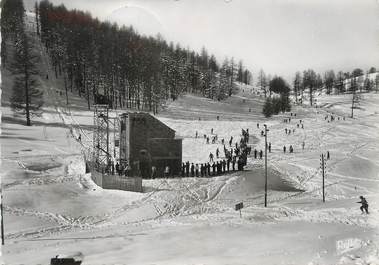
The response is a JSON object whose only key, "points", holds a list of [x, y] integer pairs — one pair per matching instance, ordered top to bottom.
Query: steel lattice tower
{"points": [[101, 155]]}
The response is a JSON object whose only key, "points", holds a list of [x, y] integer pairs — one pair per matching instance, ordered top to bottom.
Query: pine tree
{"points": [[12, 25], [329, 78], [223, 81], [339, 82], [262, 83], [297, 85], [25, 95], [268, 108]]}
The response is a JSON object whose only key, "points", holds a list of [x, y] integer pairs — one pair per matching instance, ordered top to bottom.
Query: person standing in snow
{"points": [[269, 147], [284, 149], [217, 153], [327, 155], [211, 157], [117, 168], [187, 169], [213, 169], [183, 170], [167, 171], [154, 172], [364, 207]]}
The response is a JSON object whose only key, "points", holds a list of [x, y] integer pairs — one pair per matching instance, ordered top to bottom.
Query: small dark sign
{"points": [[239, 206]]}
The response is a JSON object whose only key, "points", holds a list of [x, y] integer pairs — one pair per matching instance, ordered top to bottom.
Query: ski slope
{"points": [[52, 206]]}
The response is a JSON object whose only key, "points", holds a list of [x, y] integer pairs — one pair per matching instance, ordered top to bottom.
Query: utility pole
{"points": [[266, 130], [323, 177], [2, 218]]}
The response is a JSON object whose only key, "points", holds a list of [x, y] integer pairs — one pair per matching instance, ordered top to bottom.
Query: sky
{"points": [[278, 36]]}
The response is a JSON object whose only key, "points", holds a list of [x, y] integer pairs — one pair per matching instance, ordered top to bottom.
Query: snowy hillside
{"points": [[52, 207]]}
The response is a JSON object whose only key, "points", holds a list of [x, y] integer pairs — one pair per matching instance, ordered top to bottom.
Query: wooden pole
{"points": [[265, 165], [323, 177], [2, 218]]}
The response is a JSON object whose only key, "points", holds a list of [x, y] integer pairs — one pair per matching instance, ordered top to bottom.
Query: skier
{"points": [[212, 131], [196, 135], [303, 144], [269, 147], [284, 149], [217, 153], [255, 153], [260, 154], [327, 155], [192, 170], [197, 170], [364, 207]]}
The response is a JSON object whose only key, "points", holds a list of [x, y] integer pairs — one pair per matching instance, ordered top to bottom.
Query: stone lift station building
{"points": [[147, 144], [145, 148]]}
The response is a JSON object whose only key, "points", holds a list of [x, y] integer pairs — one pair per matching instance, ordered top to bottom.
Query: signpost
{"points": [[238, 207]]}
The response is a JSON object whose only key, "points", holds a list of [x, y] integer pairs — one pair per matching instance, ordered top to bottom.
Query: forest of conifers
{"points": [[102, 60]]}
